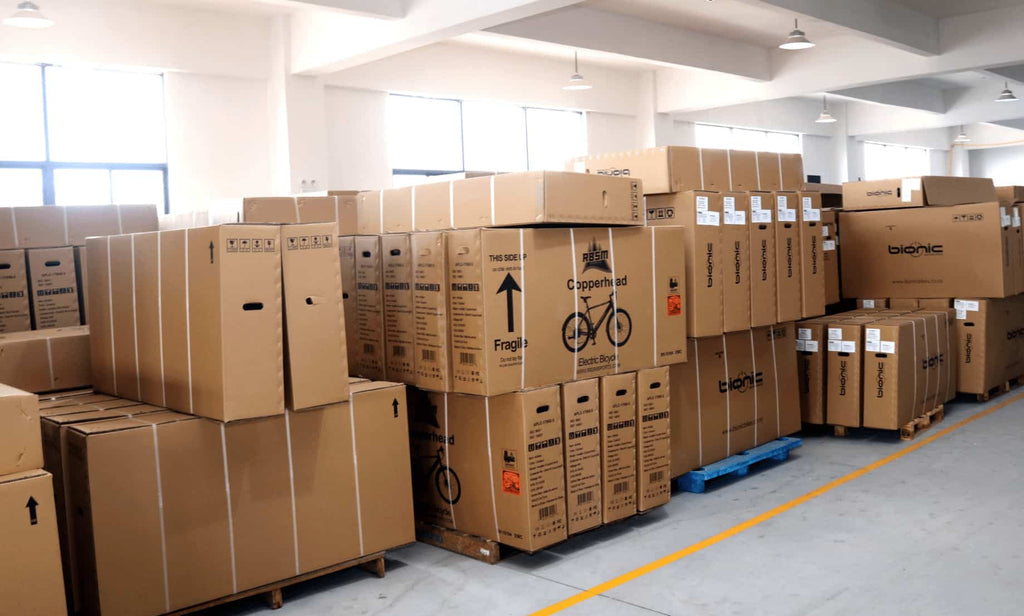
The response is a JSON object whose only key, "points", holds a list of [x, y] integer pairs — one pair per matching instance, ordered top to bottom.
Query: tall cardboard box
{"points": [[921, 191], [347, 204], [338, 206], [700, 213], [49, 226], [347, 254], [736, 254], [830, 256], [788, 258], [812, 265], [763, 274], [54, 287], [14, 305], [430, 311], [123, 316], [399, 319], [174, 320], [148, 328], [811, 345], [989, 345], [845, 348], [47, 360], [369, 360], [316, 361], [741, 376], [890, 388], [693, 391], [778, 397], [581, 426], [653, 438], [618, 446], [20, 448], [491, 466], [31, 583]]}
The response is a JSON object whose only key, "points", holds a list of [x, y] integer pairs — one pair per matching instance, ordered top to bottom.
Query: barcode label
{"points": [[369, 348], [398, 351], [428, 354], [467, 359], [656, 476], [621, 487], [585, 497], [548, 511]]}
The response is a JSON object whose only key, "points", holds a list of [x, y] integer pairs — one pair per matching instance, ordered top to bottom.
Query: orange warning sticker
{"points": [[675, 305], [510, 482]]}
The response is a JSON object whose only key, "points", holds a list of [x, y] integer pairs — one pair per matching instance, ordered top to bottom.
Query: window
{"points": [[81, 137], [429, 137], [728, 138], [883, 161]]}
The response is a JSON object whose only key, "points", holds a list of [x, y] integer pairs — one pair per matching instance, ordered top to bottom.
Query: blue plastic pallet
{"points": [[739, 464]]}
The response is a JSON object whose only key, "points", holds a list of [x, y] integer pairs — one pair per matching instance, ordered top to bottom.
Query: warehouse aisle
{"points": [[935, 531]]}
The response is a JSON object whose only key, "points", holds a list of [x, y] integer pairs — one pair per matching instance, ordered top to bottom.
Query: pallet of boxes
{"points": [[754, 265], [938, 265], [537, 317], [224, 453]]}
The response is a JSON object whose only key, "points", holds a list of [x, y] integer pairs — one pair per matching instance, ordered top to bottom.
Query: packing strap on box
{"points": [[110, 311], [49, 360], [753, 365], [775, 375], [728, 397], [355, 472], [163, 528]]}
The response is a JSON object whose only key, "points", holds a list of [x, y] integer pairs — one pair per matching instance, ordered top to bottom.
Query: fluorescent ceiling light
{"points": [[28, 15], [796, 39], [576, 80]]}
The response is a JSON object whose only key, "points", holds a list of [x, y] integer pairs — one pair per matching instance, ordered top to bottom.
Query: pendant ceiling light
{"points": [[28, 15], [796, 39], [576, 81], [1006, 96], [825, 117], [962, 137]]}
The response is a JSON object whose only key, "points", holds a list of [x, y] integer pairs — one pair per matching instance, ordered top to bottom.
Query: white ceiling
{"points": [[953, 8], [544, 49]]}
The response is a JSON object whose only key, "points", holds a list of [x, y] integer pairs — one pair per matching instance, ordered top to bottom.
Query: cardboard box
{"points": [[663, 170], [743, 170], [917, 192], [1009, 195], [338, 206], [347, 210], [700, 213], [51, 226], [925, 252], [347, 253], [736, 254], [830, 256], [788, 258], [812, 266], [81, 270], [763, 274], [54, 287], [14, 303], [879, 304], [430, 311], [588, 311], [123, 316], [147, 318], [399, 320], [174, 321], [811, 345], [990, 346], [776, 347], [845, 349], [369, 359], [47, 360], [316, 361], [891, 383], [581, 426], [19, 431], [653, 438], [618, 446], [491, 467], [31, 584]]}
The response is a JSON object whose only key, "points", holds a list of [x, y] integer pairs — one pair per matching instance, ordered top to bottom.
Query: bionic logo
{"points": [[916, 249]]}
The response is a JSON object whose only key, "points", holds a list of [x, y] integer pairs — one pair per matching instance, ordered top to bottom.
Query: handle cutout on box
{"points": [[604, 199], [762, 227], [462, 250], [395, 252], [367, 254], [52, 263], [5, 266], [344, 295], [313, 300], [249, 306], [881, 355], [655, 385], [620, 392], [582, 399], [544, 408]]}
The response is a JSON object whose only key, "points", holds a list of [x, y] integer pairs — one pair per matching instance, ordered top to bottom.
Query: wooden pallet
{"points": [[998, 390], [912, 428], [737, 465], [480, 548], [273, 592]]}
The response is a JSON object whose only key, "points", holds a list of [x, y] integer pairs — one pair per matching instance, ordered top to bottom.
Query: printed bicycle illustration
{"points": [[579, 328], [445, 479]]}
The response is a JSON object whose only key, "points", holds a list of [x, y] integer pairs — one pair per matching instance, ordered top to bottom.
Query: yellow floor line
{"points": [[767, 515]]}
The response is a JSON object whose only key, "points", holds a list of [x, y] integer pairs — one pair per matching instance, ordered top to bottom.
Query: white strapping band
{"points": [[778, 157], [700, 163], [728, 165], [757, 167], [492, 202], [295, 203], [451, 204], [380, 207], [412, 213], [337, 215], [120, 225], [14, 227], [67, 239], [654, 293], [615, 298], [522, 301], [576, 302], [110, 311], [160, 311], [135, 322], [188, 328], [913, 328], [49, 359], [753, 361], [696, 365], [775, 371], [938, 381], [728, 395], [448, 459], [490, 463], [355, 466], [291, 485], [160, 507], [231, 518]]}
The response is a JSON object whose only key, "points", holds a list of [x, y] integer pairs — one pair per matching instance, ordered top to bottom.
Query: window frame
{"points": [[48, 166], [903, 172]]}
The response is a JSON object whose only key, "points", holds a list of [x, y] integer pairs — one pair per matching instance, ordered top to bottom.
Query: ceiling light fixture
{"points": [[28, 15], [796, 39], [576, 81], [1006, 96], [825, 117], [962, 137]]}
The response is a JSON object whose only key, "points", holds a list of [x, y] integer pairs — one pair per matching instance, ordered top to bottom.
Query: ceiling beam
{"points": [[387, 9], [881, 20], [588, 28], [899, 94]]}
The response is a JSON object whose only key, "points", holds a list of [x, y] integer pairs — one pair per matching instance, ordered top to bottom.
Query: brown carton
{"points": [[663, 170], [743, 170], [791, 170], [769, 171], [916, 192], [1009, 195], [336, 206], [435, 206], [347, 208], [700, 213], [51, 226], [934, 252], [347, 253], [736, 254], [830, 256], [788, 259], [812, 266], [763, 275], [53, 287], [14, 297], [881, 304], [430, 311], [588, 311], [399, 320], [174, 321], [148, 328], [369, 336], [990, 347], [845, 352], [125, 359], [47, 360], [316, 364], [811, 372], [890, 388], [778, 400], [696, 406], [581, 427], [19, 431], [653, 438], [618, 446], [491, 467], [30, 579]]}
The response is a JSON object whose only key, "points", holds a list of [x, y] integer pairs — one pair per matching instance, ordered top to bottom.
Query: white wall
{"points": [[608, 132], [218, 139], [357, 156], [820, 159], [1004, 165]]}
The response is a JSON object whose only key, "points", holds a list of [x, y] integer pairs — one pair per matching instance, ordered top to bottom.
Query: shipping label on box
{"points": [[763, 274], [54, 287], [14, 296], [430, 311], [399, 319], [369, 361], [581, 407], [653, 433], [618, 446]]}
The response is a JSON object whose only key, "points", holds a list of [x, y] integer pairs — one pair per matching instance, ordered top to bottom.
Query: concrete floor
{"points": [[938, 531]]}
